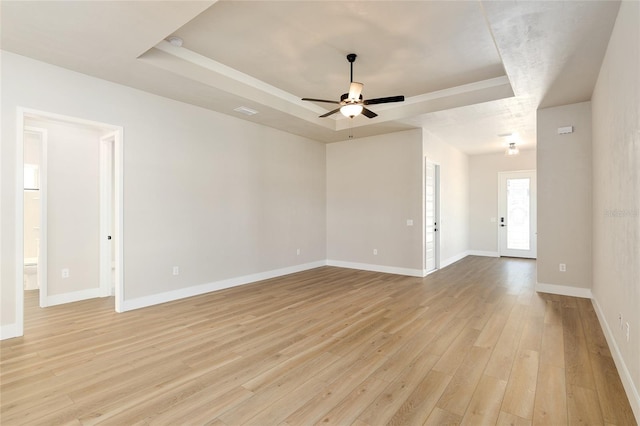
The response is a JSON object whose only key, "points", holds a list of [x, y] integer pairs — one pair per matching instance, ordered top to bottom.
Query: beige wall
{"points": [[32, 154], [374, 185], [616, 193], [217, 196], [483, 196], [564, 196], [454, 197], [73, 206]]}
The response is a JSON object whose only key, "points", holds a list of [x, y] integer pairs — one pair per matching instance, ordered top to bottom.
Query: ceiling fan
{"points": [[352, 103]]}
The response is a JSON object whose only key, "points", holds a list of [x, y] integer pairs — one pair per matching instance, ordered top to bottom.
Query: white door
{"points": [[431, 217], [517, 224]]}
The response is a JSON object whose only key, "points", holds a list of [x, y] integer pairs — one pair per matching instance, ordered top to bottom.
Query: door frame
{"points": [[23, 113], [107, 145], [42, 193], [533, 197], [437, 216]]}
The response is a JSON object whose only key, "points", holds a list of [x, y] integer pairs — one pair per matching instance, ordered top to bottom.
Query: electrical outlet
{"points": [[409, 222], [298, 252], [375, 252], [563, 267], [176, 270], [65, 273], [626, 328]]}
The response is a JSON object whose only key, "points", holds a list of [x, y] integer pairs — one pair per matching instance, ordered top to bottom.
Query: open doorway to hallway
{"points": [[71, 209]]}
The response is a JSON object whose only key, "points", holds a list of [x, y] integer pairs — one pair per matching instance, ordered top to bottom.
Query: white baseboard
{"points": [[483, 253], [453, 259], [377, 268], [564, 290], [74, 296], [169, 296], [10, 331], [625, 376]]}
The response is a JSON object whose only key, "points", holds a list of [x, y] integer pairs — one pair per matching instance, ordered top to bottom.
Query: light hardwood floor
{"points": [[470, 344]]}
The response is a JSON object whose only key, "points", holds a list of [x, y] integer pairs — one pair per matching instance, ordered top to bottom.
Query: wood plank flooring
{"points": [[471, 344]]}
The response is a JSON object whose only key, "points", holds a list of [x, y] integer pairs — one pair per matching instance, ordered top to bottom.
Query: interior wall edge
{"points": [[484, 253], [453, 259], [377, 268], [564, 290], [183, 293], [9, 331], [633, 394]]}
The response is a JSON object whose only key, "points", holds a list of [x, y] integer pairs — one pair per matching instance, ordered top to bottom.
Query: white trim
{"points": [[118, 208], [437, 232], [483, 253], [453, 259], [377, 268], [425, 272], [564, 290], [74, 296], [169, 296], [17, 328], [9, 331], [625, 376]]}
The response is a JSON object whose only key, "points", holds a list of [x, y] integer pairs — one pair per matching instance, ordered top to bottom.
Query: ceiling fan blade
{"points": [[355, 89], [320, 100], [384, 100], [330, 113], [368, 113]]}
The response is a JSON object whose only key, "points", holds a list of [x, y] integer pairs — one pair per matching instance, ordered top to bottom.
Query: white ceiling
{"points": [[470, 70]]}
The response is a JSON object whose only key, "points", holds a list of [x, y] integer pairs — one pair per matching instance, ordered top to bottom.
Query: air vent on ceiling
{"points": [[246, 111]]}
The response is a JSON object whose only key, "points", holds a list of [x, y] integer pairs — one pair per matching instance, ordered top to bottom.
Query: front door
{"points": [[517, 226]]}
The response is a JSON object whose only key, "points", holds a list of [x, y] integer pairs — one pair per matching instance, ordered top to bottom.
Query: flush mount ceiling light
{"points": [[175, 41], [513, 139], [512, 150]]}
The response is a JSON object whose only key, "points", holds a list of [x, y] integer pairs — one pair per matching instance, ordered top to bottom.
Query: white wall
{"points": [[374, 185], [616, 195], [217, 196], [483, 196], [454, 197], [564, 197]]}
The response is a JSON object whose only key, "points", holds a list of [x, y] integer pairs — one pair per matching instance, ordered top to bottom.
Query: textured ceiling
{"points": [[470, 70]]}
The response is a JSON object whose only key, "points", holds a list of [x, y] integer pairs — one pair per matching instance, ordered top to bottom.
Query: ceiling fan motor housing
{"points": [[344, 99]]}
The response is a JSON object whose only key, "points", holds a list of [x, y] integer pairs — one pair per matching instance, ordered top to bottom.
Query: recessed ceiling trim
{"points": [[217, 67], [457, 90]]}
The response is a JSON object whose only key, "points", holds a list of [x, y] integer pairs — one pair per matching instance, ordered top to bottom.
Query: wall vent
{"points": [[246, 111], [565, 130]]}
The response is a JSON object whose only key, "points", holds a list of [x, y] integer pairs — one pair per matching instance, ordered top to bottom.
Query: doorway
{"points": [[34, 213], [432, 215], [517, 225], [63, 233]]}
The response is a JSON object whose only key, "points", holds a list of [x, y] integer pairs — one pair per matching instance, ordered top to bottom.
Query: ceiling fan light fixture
{"points": [[351, 110]]}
